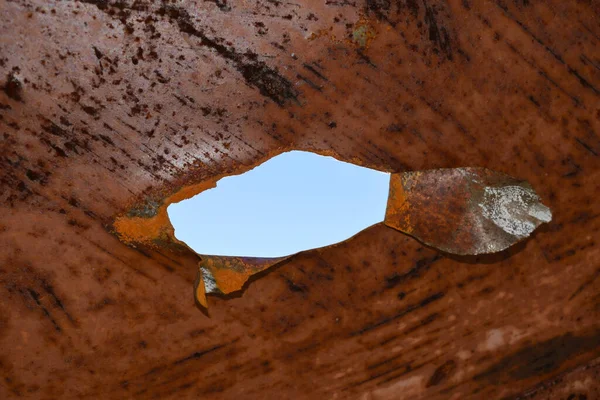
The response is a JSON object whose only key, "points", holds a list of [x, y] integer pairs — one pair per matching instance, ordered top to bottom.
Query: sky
{"points": [[293, 202]]}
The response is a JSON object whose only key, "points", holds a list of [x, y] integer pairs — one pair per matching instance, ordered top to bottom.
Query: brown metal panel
{"points": [[110, 109]]}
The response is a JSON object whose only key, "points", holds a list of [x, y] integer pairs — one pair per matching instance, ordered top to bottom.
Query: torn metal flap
{"points": [[464, 211], [220, 274]]}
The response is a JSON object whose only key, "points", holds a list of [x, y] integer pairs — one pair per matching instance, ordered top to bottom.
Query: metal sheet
{"points": [[464, 211]]}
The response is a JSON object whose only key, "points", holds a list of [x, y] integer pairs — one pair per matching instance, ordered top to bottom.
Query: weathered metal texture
{"points": [[109, 108], [465, 211], [225, 275], [579, 384]]}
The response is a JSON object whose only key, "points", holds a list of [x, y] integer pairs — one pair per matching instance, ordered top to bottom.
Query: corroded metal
{"points": [[107, 108], [465, 211], [225, 275]]}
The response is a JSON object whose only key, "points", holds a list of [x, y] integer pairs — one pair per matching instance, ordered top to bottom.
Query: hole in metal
{"points": [[293, 202]]}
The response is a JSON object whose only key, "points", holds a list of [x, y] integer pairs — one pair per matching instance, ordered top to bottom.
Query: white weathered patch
{"points": [[514, 209], [541, 212], [210, 285]]}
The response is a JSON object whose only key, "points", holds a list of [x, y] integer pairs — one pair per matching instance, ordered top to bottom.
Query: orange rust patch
{"points": [[321, 33], [398, 206], [142, 230], [146, 230], [231, 273], [229, 280]]}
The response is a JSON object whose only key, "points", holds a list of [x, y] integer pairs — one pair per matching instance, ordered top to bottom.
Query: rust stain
{"points": [[322, 33], [511, 84], [398, 207], [461, 211], [464, 211], [134, 229], [219, 274]]}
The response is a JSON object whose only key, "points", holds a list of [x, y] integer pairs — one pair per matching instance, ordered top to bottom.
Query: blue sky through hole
{"points": [[293, 202]]}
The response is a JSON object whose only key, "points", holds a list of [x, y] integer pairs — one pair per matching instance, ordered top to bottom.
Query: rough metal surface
{"points": [[109, 109], [465, 211], [225, 275], [579, 384]]}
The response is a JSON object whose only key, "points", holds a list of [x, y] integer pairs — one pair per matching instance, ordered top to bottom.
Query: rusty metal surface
{"points": [[109, 110], [465, 211], [225, 275]]}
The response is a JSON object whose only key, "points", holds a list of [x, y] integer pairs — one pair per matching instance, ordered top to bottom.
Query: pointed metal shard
{"points": [[464, 211], [219, 274]]}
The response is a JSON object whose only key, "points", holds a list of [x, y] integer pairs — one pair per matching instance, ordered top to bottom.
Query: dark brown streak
{"points": [[589, 30], [437, 36], [365, 58], [586, 59], [314, 71], [256, 73], [543, 74], [581, 79], [309, 83], [181, 100], [539, 108], [448, 116], [239, 138], [586, 146], [117, 258], [169, 258], [165, 266], [420, 266], [585, 284], [50, 290], [36, 297], [400, 314], [424, 322], [198, 354], [540, 358], [385, 361], [406, 367], [442, 373], [396, 376]]}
